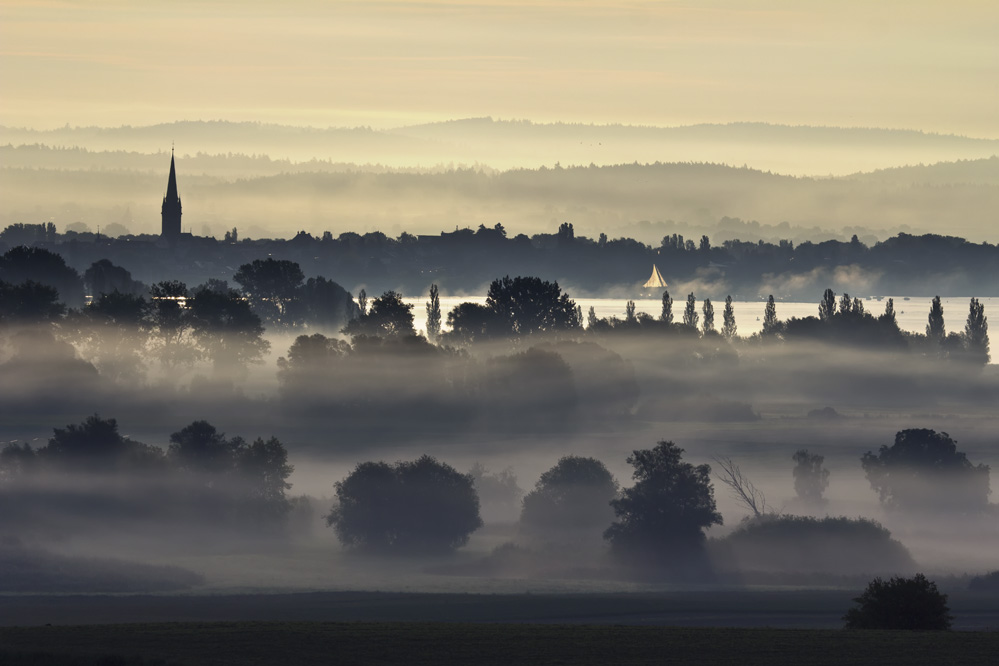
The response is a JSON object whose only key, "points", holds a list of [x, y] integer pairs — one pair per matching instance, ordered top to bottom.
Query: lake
{"points": [[910, 312]]}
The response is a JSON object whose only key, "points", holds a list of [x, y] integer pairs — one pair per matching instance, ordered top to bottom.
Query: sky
{"points": [[931, 66]]}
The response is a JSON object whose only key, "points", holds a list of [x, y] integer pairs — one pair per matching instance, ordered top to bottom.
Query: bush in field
{"points": [[419, 506], [801, 544], [900, 603]]}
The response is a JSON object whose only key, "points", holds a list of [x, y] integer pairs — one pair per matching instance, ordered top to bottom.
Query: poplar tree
{"points": [[433, 314], [667, 314], [690, 315], [709, 316], [728, 320], [770, 323], [935, 331], [976, 333]]}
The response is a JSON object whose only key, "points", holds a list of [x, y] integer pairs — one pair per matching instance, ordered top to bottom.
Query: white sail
{"points": [[656, 281]]}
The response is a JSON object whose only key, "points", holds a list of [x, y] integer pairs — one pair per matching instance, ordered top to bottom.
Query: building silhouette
{"points": [[171, 206]]}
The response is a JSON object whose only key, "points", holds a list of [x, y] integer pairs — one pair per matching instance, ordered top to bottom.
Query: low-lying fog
{"points": [[755, 404]]}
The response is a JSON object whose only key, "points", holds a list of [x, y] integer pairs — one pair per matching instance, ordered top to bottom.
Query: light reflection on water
{"points": [[911, 314]]}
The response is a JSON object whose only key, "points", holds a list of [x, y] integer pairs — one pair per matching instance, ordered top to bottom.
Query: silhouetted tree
{"points": [[566, 234], [22, 264], [103, 277], [272, 286], [29, 303], [325, 304], [845, 304], [529, 306], [827, 306], [857, 308], [629, 312], [667, 313], [433, 314], [690, 315], [709, 315], [889, 316], [388, 317], [591, 318], [471, 322], [770, 324], [171, 325], [729, 328], [114, 330], [935, 330], [227, 331], [976, 333], [96, 446], [200, 448], [924, 469], [263, 471], [810, 477], [574, 494], [417, 506], [666, 511], [912, 604]]}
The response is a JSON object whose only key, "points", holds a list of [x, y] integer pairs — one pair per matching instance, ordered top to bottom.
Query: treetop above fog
{"points": [[924, 470]]}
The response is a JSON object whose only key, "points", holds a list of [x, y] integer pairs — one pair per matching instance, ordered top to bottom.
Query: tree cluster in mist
{"points": [[522, 361], [527, 362], [91, 472], [654, 527]]}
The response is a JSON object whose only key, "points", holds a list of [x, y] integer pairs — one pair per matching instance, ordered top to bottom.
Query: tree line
{"points": [[457, 259], [211, 477]]}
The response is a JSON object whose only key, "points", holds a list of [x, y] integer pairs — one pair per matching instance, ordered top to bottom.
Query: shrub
{"points": [[800, 544], [900, 603]]}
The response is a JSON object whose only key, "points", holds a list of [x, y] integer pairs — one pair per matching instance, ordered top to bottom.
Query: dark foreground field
{"points": [[707, 607], [305, 643]]}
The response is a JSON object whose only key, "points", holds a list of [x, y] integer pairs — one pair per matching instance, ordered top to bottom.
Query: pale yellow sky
{"points": [[932, 66]]}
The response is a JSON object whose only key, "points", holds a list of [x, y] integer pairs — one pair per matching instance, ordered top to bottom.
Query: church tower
{"points": [[171, 205]]}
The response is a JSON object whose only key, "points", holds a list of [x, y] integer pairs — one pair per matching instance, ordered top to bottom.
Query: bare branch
{"points": [[741, 488]]}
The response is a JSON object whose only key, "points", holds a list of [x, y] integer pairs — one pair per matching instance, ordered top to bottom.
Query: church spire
{"points": [[171, 204]]}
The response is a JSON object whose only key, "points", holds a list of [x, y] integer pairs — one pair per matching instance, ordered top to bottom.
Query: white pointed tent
{"points": [[656, 281]]}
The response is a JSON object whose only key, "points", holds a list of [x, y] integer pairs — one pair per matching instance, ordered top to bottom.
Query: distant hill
{"points": [[505, 144], [968, 172], [276, 198]]}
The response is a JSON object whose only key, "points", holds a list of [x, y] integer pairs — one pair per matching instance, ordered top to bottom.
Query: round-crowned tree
{"points": [[924, 469], [574, 494], [409, 507], [664, 515], [900, 603]]}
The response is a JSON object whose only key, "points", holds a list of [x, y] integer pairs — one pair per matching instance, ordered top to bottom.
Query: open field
{"points": [[718, 607], [443, 643]]}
